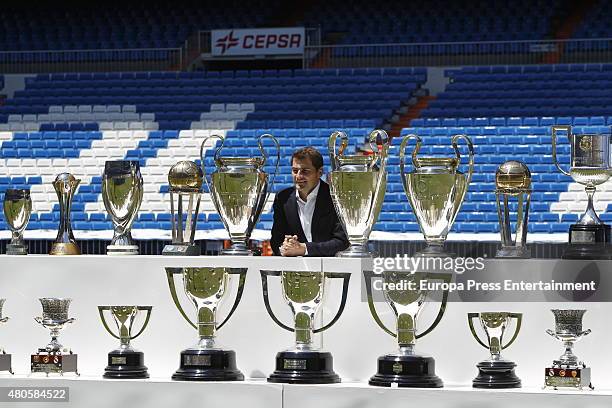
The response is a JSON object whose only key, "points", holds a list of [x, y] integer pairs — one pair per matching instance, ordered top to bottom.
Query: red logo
{"points": [[227, 42]]}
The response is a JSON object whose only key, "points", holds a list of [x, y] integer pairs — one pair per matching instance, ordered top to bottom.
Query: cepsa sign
{"points": [[263, 41]]}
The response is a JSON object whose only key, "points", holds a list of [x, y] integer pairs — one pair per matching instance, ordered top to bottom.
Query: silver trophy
{"points": [[185, 179], [513, 181], [65, 185], [357, 185], [239, 189], [436, 189], [122, 195], [17, 210], [589, 238], [206, 288], [303, 291], [404, 293], [54, 357], [5, 359], [125, 361], [568, 370], [495, 372]]}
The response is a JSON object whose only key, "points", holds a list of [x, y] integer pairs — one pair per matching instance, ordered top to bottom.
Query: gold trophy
{"points": [[65, 185]]}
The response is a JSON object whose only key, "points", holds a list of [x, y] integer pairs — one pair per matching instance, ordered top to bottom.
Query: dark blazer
{"points": [[328, 236]]}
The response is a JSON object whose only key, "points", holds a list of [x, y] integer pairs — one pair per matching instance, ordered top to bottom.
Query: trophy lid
{"points": [[241, 162], [513, 175], [185, 176], [17, 194]]}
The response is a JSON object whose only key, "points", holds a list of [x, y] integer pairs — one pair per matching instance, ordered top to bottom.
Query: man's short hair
{"points": [[309, 153]]}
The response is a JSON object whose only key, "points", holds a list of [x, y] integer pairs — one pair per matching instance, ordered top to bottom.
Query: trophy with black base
{"points": [[206, 287], [303, 291], [405, 294], [54, 358], [5, 359], [125, 361], [495, 372]]}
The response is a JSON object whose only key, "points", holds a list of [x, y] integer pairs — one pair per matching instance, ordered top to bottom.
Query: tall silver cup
{"points": [[357, 186], [17, 211], [5, 359]]}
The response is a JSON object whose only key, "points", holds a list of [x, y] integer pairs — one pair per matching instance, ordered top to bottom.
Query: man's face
{"points": [[305, 176]]}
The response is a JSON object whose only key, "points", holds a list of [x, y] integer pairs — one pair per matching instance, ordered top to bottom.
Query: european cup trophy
{"points": [[185, 179], [513, 181], [65, 186], [357, 186], [239, 189], [436, 189], [122, 195], [17, 210], [589, 238], [206, 288], [303, 291], [404, 293], [54, 358], [5, 359], [125, 361], [568, 371], [495, 372]]}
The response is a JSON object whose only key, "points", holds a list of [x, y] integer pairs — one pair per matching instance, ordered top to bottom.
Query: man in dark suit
{"points": [[305, 220]]}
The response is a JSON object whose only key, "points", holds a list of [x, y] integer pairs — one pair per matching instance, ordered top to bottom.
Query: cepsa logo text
{"points": [[252, 42]]}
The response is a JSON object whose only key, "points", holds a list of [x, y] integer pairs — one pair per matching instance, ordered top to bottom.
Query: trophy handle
{"points": [[555, 129], [331, 145], [384, 152], [470, 152], [402, 154], [265, 156], [202, 159], [170, 272], [241, 272], [368, 275], [446, 277], [345, 283], [266, 298], [148, 309], [101, 310], [471, 317], [4, 319], [38, 319], [519, 320], [586, 332], [551, 333]]}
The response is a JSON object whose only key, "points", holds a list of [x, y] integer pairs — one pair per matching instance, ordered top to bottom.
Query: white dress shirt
{"points": [[306, 210]]}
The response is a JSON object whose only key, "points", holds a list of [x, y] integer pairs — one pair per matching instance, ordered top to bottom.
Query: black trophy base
{"points": [[589, 242], [181, 250], [126, 364], [208, 365], [304, 367], [406, 371], [496, 374]]}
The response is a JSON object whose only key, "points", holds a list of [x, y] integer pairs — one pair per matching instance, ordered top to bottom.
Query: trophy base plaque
{"points": [[589, 242], [64, 248], [16, 249], [118, 250], [181, 250], [357, 251], [514, 252], [5, 363], [53, 363], [126, 364], [208, 365], [304, 367], [406, 371], [496, 374], [568, 377]]}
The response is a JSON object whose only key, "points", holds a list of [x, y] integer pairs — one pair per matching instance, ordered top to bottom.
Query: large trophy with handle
{"points": [[357, 185], [239, 189], [436, 189], [122, 192], [17, 208], [589, 238], [206, 287], [405, 294], [5, 359], [125, 361], [304, 362], [495, 372]]}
